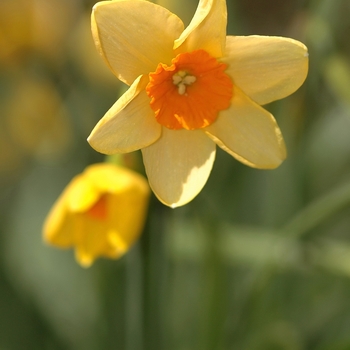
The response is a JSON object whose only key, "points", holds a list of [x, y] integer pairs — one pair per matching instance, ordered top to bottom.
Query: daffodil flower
{"points": [[190, 90], [100, 213]]}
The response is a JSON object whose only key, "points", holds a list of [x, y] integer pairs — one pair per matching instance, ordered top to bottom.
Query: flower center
{"points": [[181, 79], [191, 92], [99, 210]]}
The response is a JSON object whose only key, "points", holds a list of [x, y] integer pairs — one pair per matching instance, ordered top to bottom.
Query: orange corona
{"points": [[191, 92], [99, 210]]}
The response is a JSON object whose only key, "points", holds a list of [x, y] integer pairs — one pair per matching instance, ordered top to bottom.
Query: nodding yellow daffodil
{"points": [[190, 90], [100, 213]]}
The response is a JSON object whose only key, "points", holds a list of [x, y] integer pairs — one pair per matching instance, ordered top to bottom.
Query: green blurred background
{"points": [[259, 260]]}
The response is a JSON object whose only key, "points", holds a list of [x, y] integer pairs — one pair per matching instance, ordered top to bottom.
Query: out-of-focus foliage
{"points": [[259, 260]]}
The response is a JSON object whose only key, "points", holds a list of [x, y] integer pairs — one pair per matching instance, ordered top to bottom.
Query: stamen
{"points": [[176, 79], [181, 79], [189, 79], [181, 88]]}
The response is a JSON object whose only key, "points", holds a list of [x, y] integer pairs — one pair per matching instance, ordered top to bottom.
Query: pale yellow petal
{"points": [[207, 29], [134, 36], [266, 68], [129, 125], [249, 133], [178, 165]]}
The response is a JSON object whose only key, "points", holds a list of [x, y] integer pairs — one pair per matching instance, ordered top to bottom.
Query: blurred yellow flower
{"points": [[42, 25], [190, 90], [36, 119], [100, 213]]}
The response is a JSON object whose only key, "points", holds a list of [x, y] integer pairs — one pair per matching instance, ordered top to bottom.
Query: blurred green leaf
{"points": [[337, 74], [318, 211]]}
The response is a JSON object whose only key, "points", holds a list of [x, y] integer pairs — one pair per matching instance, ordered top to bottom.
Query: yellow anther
{"points": [[181, 79]]}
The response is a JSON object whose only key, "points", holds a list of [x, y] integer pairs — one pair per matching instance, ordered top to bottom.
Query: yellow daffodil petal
{"points": [[207, 29], [133, 36], [266, 68], [129, 125], [249, 133], [178, 165], [108, 178], [82, 195], [107, 222], [59, 223], [126, 228], [59, 233], [114, 235], [91, 241], [94, 244], [116, 244], [83, 257]]}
